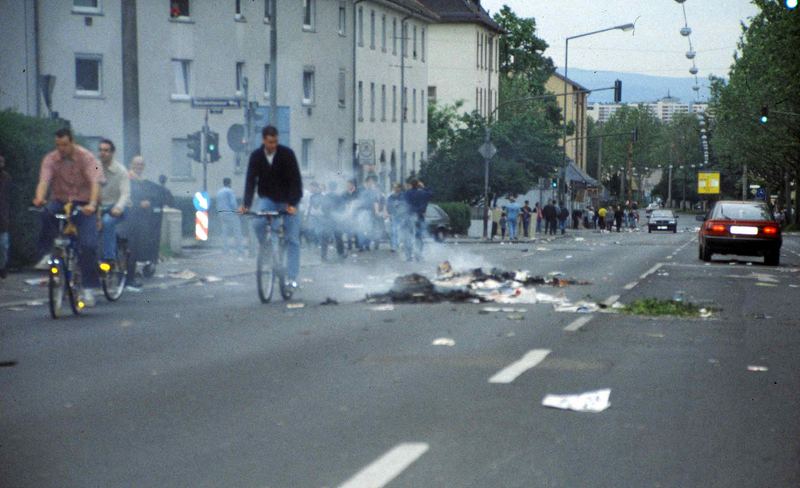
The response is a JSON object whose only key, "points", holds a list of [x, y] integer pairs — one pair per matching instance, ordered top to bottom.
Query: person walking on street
{"points": [[273, 171], [72, 175], [115, 198], [417, 199], [5, 207], [227, 211], [332, 211], [397, 211], [513, 211], [527, 213], [619, 214], [563, 216], [539, 217], [550, 218], [601, 218], [503, 223]]}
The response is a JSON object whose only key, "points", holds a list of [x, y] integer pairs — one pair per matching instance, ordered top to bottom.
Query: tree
{"points": [[522, 52], [442, 125]]}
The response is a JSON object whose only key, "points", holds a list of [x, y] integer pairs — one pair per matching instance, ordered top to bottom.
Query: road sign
{"points": [[216, 102], [237, 139], [487, 150], [708, 183], [761, 193], [200, 201]]}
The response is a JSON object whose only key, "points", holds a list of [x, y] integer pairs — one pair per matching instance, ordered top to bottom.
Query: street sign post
{"points": [[216, 102], [487, 150], [761, 193]]}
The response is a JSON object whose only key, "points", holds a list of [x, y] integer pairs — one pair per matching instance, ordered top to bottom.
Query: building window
{"points": [[86, 6], [179, 8], [238, 9], [267, 10], [309, 12], [342, 19], [361, 26], [372, 29], [383, 32], [394, 35], [404, 39], [415, 42], [422, 48], [478, 50], [88, 75], [181, 75], [239, 78], [267, 80], [308, 86], [342, 87], [431, 95], [477, 98], [361, 101], [372, 102], [383, 103], [394, 103], [404, 104], [414, 105], [422, 106], [340, 152], [306, 153], [414, 162], [181, 166]]}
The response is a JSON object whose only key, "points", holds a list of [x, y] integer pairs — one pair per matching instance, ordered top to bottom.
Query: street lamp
{"points": [[623, 28]]}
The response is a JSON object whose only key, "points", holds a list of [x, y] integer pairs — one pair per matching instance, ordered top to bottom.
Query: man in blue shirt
{"points": [[417, 199], [227, 211], [512, 211]]}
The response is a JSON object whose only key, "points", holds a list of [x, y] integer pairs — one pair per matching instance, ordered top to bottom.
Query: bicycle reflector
{"points": [[105, 267], [54, 270], [81, 304]]}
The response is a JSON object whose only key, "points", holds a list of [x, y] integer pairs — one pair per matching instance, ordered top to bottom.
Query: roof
{"points": [[412, 6], [463, 11], [571, 82], [576, 175]]}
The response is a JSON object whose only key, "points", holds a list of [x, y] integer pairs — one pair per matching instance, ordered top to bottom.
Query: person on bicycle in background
{"points": [[274, 172], [72, 175], [115, 199]]}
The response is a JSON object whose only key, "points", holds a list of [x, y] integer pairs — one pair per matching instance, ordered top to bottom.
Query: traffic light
{"points": [[617, 91], [764, 114], [193, 142], [212, 146], [554, 183]]}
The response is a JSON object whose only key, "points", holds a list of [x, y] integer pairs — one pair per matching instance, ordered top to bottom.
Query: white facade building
{"points": [[457, 73], [664, 109]]}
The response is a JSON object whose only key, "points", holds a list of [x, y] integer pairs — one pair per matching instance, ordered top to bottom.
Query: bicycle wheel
{"points": [[280, 267], [265, 273], [114, 280], [73, 284], [57, 285]]}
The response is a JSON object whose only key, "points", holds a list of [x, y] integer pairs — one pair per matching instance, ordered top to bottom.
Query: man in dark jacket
{"points": [[273, 170], [417, 199], [550, 218]]}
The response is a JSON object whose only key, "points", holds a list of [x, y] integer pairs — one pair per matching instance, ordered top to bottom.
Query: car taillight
{"points": [[719, 228], [770, 231]]}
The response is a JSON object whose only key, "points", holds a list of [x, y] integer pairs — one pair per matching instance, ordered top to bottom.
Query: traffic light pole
{"points": [[204, 153]]}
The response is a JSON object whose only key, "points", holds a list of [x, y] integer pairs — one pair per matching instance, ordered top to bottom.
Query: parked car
{"points": [[662, 220], [438, 222], [742, 228]]}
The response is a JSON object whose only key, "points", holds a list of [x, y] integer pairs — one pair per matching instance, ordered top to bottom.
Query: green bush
{"points": [[24, 141], [459, 214]]}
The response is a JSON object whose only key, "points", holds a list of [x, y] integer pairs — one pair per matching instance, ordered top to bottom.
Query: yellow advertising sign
{"points": [[708, 183]]}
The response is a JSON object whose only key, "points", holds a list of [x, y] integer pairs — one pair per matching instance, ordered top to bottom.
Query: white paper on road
{"points": [[212, 279], [353, 286], [382, 308], [444, 341], [757, 368], [592, 401]]}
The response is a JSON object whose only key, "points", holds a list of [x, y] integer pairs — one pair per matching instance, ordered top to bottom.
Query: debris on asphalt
{"points": [[579, 239], [541, 249], [568, 256], [183, 275], [212, 279], [306, 280], [36, 281], [768, 285], [353, 286], [794, 286], [329, 301], [34, 303], [293, 306], [383, 308], [16, 309], [488, 310], [515, 316], [762, 316], [443, 341], [8, 364], [757, 368], [592, 401]]}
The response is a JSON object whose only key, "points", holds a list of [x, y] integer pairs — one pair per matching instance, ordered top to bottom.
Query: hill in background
{"points": [[636, 87]]}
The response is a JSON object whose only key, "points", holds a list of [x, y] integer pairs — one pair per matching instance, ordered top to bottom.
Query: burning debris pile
{"points": [[476, 286]]}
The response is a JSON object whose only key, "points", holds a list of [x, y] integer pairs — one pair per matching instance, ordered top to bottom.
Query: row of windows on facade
{"points": [[403, 37], [487, 52], [485, 101], [383, 105]]}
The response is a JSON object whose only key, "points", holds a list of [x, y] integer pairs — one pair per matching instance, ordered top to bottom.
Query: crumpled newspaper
{"points": [[591, 401]]}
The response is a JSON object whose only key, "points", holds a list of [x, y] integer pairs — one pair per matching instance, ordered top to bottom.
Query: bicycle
{"points": [[271, 261], [114, 275], [64, 277]]}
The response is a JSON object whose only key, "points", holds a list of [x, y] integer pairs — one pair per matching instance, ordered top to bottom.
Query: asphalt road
{"points": [[203, 386]]}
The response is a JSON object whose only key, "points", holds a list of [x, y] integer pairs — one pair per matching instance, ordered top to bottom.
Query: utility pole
{"points": [[273, 64], [403, 101], [247, 125], [204, 153], [600, 159], [629, 170], [744, 182], [669, 188]]}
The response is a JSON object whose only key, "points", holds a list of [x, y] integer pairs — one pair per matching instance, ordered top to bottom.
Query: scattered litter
{"points": [[579, 239], [542, 249], [568, 256], [749, 264], [555, 273], [183, 275], [212, 279], [307, 280], [36, 281], [232, 283], [768, 285], [353, 286], [794, 286], [678, 296], [329, 301], [35, 303], [293, 306], [580, 307], [383, 308], [16, 309], [487, 310], [513, 310], [704, 313], [515, 316], [762, 316], [126, 323], [510, 334], [444, 341], [713, 361], [8, 364], [757, 368], [592, 401]]}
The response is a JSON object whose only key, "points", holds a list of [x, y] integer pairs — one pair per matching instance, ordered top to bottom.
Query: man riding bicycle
{"points": [[274, 171], [72, 175], [116, 197]]}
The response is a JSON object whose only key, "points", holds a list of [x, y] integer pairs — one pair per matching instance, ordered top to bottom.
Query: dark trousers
{"points": [[552, 226], [526, 227], [494, 229], [331, 233], [87, 240]]}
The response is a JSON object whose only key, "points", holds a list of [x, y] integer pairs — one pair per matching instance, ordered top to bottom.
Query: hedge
{"points": [[24, 141], [460, 216]]}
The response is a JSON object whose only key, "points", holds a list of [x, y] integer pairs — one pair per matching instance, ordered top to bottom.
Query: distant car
{"points": [[651, 207], [662, 220], [437, 222], [742, 228]]}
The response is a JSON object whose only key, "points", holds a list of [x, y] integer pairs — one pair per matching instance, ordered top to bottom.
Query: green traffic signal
{"points": [[764, 114]]}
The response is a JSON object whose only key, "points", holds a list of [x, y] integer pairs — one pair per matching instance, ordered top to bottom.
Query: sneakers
{"points": [[43, 264], [292, 284], [134, 286], [87, 296]]}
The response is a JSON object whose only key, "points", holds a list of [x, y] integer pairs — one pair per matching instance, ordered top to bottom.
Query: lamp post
{"points": [[622, 27]]}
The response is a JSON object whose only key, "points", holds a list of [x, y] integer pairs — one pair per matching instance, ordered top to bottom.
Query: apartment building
{"points": [[574, 110]]}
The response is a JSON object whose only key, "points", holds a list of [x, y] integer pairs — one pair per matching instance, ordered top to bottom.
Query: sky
{"points": [[655, 48]]}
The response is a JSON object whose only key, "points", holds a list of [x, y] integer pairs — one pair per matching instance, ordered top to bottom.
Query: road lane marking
{"points": [[650, 271], [631, 285], [611, 300], [578, 323], [512, 371], [387, 467]]}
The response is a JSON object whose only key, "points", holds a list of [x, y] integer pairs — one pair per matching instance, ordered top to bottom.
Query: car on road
{"points": [[662, 220], [437, 222], [744, 228]]}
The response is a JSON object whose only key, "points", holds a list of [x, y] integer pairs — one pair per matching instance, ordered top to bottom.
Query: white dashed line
{"points": [[651, 271], [631, 285], [611, 300], [578, 323], [512, 371], [387, 467]]}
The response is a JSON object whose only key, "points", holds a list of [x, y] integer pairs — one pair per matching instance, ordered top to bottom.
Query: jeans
{"points": [[562, 224], [291, 225], [538, 226], [526, 227], [231, 229], [512, 229], [396, 230], [415, 231], [109, 234], [87, 241], [3, 250]]}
